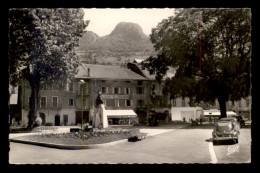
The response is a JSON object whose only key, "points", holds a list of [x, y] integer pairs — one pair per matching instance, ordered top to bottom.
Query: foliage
{"points": [[42, 46], [222, 73]]}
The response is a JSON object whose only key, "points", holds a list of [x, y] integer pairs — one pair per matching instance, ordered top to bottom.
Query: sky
{"points": [[103, 21]]}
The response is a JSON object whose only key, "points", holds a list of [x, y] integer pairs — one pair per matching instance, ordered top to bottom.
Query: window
{"points": [[140, 83], [70, 86], [104, 90], [127, 90], [139, 90], [116, 91], [43, 102], [55, 102], [71, 102], [128, 102], [140, 102], [116, 103]]}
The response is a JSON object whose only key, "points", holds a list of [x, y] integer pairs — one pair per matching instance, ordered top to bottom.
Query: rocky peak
{"points": [[128, 30]]}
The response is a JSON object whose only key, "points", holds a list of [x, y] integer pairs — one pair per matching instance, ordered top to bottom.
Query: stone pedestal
{"points": [[99, 117]]}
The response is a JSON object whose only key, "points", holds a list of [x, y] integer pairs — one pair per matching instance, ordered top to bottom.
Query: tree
{"points": [[42, 48], [211, 50]]}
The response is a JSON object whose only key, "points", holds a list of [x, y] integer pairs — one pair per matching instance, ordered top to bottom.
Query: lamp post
{"points": [[81, 82]]}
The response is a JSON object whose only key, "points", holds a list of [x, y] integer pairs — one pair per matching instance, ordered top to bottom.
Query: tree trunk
{"points": [[33, 102], [222, 106]]}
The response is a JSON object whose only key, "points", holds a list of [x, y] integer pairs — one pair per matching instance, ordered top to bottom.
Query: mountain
{"points": [[129, 31], [127, 39]]}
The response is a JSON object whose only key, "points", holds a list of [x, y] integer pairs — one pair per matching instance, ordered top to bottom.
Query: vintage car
{"points": [[240, 120], [226, 129]]}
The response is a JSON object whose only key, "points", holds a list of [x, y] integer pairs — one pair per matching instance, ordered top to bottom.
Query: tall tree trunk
{"points": [[33, 102], [222, 105]]}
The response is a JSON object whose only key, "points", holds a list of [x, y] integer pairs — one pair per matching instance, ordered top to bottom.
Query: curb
{"points": [[71, 147]]}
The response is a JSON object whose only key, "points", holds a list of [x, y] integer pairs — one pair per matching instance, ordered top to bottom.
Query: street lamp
{"points": [[81, 82]]}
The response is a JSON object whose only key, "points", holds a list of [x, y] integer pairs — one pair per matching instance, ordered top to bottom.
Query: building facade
{"points": [[122, 88], [64, 105]]}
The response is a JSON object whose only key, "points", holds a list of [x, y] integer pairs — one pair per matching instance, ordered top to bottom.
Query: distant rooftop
{"points": [[107, 72], [170, 73]]}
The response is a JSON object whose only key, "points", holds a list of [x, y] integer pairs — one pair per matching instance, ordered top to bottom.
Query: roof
{"points": [[107, 72], [170, 73], [120, 113]]}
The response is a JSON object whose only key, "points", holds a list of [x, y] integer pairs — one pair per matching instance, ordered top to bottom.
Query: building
{"points": [[121, 89], [157, 101], [14, 105]]}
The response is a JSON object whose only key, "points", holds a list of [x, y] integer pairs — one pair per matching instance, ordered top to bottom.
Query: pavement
{"points": [[165, 145]]}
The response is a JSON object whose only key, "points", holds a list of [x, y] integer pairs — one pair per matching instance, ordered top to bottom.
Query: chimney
{"points": [[88, 72]]}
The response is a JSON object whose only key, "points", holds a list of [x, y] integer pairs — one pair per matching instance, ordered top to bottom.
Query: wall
{"points": [[177, 113]]}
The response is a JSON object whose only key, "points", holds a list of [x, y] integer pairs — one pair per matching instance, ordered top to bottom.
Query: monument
{"points": [[99, 116]]}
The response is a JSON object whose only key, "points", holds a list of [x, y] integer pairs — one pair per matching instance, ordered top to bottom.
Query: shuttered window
{"points": [[43, 102], [55, 102]]}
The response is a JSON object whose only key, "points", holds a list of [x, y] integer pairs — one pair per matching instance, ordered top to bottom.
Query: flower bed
{"points": [[82, 137]]}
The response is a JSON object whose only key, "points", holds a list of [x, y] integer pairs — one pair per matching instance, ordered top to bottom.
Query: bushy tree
{"points": [[42, 47], [211, 50]]}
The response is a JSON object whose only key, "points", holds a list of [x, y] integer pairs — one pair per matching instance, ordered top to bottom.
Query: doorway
{"points": [[57, 120]]}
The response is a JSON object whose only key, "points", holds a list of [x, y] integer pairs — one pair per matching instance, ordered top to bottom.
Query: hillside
{"points": [[125, 41]]}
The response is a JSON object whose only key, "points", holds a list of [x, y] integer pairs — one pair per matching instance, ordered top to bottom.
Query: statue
{"points": [[99, 100], [97, 117]]}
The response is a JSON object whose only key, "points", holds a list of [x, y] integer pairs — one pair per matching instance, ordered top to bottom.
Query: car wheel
{"points": [[214, 142]]}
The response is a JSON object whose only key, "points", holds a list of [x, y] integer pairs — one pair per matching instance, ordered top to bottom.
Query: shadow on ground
{"points": [[160, 126], [203, 126], [247, 126], [224, 142]]}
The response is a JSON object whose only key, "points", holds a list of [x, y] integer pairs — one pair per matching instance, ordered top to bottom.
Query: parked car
{"points": [[241, 121], [226, 129]]}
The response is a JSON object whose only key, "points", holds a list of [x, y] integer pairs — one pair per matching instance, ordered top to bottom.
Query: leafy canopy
{"points": [[42, 43], [225, 53]]}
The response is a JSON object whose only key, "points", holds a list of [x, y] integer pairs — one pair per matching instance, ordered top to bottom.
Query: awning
{"points": [[13, 99], [217, 113], [121, 114]]}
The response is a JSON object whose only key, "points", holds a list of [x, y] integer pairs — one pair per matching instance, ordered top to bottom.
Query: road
{"points": [[189, 145]]}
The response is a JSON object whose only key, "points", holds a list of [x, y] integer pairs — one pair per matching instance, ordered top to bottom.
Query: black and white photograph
{"points": [[129, 86]]}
